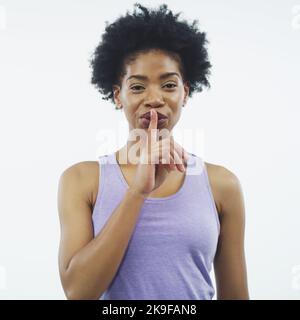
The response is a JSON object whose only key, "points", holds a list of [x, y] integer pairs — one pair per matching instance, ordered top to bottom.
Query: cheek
{"points": [[176, 98], [133, 112], [178, 112]]}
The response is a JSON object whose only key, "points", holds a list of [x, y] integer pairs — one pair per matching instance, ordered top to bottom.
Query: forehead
{"points": [[152, 64]]}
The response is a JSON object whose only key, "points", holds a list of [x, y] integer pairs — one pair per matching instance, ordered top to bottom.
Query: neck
{"points": [[124, 154], [129, 154]]}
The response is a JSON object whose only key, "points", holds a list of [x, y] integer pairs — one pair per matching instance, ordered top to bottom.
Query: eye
{"points": [[172, 84], [135, 88]]}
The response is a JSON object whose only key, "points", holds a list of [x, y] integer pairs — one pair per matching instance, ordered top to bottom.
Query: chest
{"points": [[170, 186], [183, 227]]}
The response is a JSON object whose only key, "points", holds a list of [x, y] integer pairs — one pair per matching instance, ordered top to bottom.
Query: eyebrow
{"points": [[162, 76]]}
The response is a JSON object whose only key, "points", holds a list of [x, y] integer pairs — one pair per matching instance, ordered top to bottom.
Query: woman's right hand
{"points": [[157, 159]]}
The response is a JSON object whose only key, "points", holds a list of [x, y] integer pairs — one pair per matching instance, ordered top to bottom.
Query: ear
{"points": [[186, 92], [116, 94]]}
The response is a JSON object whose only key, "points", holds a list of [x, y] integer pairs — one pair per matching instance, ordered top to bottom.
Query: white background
{"points": [[52, 117]]}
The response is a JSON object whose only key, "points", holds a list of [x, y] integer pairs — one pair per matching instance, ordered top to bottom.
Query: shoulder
{"points": [[83, 178], [224, 183]]}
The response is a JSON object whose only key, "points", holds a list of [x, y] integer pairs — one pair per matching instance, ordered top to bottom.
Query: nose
{"points": [[154, 100], [154, 104]]}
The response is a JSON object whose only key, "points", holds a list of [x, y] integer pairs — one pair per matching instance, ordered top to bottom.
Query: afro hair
{"points": [[150, 29]]}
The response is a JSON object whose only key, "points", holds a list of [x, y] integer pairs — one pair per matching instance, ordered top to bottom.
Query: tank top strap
{"points": [[195, 165], [201, 169], [109, 180]]}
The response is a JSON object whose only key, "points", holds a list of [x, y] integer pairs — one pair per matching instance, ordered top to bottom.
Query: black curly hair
{"points": [[128, 36]]}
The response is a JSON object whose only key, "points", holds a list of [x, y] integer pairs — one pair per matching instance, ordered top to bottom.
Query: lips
{"points": [[148, 116]]}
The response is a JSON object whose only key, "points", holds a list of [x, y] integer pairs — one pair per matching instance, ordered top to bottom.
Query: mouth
{"points": [[146, 117]]}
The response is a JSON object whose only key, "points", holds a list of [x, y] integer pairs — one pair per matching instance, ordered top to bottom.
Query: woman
{"points": [[150, 224]]}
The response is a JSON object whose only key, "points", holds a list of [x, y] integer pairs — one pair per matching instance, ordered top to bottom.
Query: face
{"points": [[166, 93]]}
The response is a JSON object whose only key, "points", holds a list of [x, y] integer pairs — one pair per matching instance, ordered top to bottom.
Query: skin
{"points": [[136, 96], [82, 178]]}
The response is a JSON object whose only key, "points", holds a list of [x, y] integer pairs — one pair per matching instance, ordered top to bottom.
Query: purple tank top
{"points": [[172, 248]]}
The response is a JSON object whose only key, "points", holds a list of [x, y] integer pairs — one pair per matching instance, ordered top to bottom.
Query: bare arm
{"points": [[229, 263], [87, 265]]}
